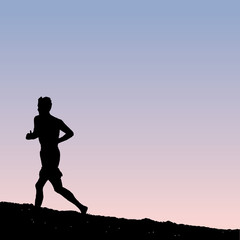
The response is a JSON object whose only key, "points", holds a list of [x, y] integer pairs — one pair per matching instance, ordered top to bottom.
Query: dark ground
{"points": [[24, 221]]}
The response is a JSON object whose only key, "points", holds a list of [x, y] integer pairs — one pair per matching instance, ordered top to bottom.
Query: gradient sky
{"points": [[151, 91]]}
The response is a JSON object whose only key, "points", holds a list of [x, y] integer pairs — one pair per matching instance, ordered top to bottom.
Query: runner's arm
{"points": [[68, 132], [33, 135]]}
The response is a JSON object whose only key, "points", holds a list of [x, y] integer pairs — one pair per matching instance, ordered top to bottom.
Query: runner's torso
{"points": [[48, 129]]}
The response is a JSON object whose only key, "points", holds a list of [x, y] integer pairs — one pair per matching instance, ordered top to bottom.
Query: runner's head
{"points": [[44, 105]]}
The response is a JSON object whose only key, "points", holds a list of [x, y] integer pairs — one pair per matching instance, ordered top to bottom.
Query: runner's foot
{"points": [[83, 210]]}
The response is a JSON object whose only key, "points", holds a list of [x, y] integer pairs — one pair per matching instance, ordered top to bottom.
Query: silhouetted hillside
{"points": [[24, 221]]}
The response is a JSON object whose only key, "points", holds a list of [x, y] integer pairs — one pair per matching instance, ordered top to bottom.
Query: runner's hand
{"points": [[29, 135]]}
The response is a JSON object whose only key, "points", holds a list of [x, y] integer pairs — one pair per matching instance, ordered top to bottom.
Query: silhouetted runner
{"points": [[47, 129]]}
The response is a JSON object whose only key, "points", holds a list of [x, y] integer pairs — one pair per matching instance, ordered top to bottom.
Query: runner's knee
{"points": [[38, 186], [58, 189]]}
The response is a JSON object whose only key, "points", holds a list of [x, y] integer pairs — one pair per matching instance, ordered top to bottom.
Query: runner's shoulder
{"points": [[36, 118], [57, 120]]}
